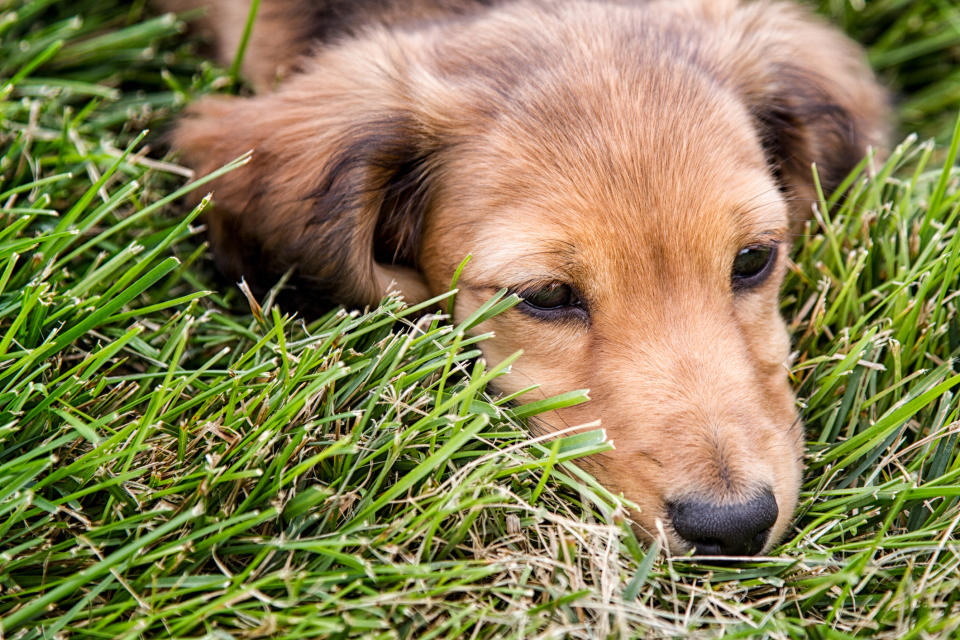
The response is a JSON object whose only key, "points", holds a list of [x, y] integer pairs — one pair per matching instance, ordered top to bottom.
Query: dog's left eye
{"points": [[752, 265], [554, 301]]}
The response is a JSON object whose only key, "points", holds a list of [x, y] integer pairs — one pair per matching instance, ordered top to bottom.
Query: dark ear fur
{"points": [[810, 91], [802, 122], [380, 169], [336, 189]]}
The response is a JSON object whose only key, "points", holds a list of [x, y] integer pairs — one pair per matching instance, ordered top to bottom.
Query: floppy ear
{"points": [[809, 89], [337, 186]]}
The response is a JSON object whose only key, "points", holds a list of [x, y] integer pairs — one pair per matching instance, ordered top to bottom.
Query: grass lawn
{"points": [[179, 460]]}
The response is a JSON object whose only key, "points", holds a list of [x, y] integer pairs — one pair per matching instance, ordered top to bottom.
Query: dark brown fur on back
{"points": [[287, 30]]}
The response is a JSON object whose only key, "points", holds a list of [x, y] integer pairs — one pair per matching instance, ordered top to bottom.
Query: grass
{"points": [[177, 460]]}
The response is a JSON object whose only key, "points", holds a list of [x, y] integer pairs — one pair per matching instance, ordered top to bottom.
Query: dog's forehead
{"points": [[662, 148], [607, 192]]}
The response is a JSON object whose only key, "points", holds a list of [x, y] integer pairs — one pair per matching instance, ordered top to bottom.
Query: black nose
{"points": [[726, 530]]}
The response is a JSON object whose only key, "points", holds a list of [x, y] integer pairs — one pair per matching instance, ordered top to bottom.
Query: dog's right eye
{"points": [[752, 266], [553, 302]]}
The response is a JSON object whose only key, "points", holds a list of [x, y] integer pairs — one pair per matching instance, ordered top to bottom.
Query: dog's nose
{"points": [[728, 529]]}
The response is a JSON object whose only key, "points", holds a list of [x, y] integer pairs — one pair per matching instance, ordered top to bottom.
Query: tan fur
{"points": [[631, 149]]}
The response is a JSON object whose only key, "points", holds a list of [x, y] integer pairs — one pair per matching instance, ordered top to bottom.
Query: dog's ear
{"points": [[810, 92], [336, 189]]}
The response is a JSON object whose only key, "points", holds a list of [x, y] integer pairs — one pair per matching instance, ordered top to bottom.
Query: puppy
{"points": [[631, 169]]}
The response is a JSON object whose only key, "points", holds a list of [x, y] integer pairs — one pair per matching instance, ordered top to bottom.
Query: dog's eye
{"points": [[752, 265], [551, 297], [554, 301]]}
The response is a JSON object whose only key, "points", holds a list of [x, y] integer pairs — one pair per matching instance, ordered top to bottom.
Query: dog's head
{"points": [[632, 172]]}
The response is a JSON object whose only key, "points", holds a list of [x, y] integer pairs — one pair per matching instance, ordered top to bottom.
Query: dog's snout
{"points": [[730, 529]]}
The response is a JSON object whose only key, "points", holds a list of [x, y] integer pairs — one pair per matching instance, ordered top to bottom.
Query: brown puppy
{"points": [[631, 169]]}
